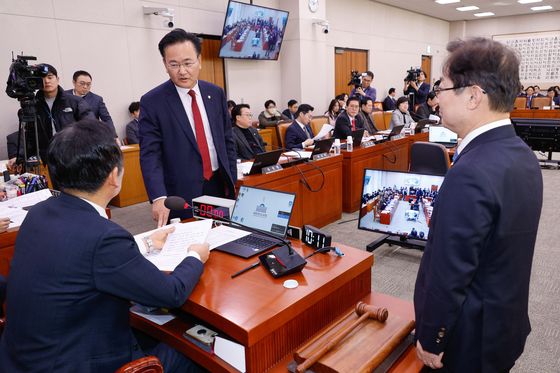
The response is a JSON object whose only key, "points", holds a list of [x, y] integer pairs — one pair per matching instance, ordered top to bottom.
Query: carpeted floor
{"points": [[395, 268]]}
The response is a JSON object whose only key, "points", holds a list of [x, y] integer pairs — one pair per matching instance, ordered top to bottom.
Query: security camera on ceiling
{"points": [[164, 12], [323, 23]]}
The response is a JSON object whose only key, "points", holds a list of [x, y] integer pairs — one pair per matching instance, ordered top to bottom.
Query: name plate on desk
{"points": [[396, 137], [368, 144], [320, 156], [271, 169]]}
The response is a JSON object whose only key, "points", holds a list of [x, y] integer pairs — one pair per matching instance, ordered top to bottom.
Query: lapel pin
{"points": [[209, 97]]}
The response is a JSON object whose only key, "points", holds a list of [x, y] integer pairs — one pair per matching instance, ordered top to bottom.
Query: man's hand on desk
{"points": [[160, 213], [4, 223], [158, 238], [202, 249]]}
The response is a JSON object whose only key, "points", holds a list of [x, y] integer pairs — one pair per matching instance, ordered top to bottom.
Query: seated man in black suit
{"points": [[390, 102], [430, 107], [291, 111], [365, 115], [349, 120], [132, 126], [299, 134], [248, 142], [74, 271]]}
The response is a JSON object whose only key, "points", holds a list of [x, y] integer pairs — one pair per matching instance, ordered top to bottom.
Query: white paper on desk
{"points": [[434, 117], [324, 131], [298, 154], [245, 167], [28, 199], [16, 215], [223, 234], [175, 248], [159, 316], [231, 352]]}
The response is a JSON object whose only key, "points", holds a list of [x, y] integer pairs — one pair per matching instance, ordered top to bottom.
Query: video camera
{"points": [[412, 74], [356, 78], [24, 79]]}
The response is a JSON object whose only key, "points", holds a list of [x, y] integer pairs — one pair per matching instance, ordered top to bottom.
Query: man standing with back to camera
{"points": [[186, 143], [472, 290]]}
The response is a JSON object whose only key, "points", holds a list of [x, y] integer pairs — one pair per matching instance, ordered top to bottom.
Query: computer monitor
{"points": [[252, 32], [539, 134], [442, 135], [398, 203], [266, 210]]}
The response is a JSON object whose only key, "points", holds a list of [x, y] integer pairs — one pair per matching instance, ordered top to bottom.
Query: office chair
{"points": [[520, 102], [540, 102], [281, 133], [429, 158], [148, 364]]}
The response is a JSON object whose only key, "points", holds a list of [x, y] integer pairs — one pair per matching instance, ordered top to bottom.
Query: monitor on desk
{"points": [[539, 134], [442, 135], [398, 203]]}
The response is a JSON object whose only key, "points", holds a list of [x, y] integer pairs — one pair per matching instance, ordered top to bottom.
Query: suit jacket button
{"points": [[441, 334], [438, 341]]}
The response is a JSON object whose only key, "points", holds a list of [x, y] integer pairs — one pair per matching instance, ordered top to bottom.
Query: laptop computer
{"points": [[423, 123], [357, 136], [443, 136], [322, 146], [265, 159], [262, 209]]}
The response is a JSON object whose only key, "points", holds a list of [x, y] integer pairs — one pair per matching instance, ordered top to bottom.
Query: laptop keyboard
{"points": [[256, 242]]}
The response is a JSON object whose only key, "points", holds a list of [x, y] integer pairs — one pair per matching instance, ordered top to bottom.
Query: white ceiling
{"points": [[448, 12]]}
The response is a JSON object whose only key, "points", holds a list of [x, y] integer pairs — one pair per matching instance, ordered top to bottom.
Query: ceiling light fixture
{"points": [[528, 1], [443, 2], [544, 7], [467, 8], [484, 14]]}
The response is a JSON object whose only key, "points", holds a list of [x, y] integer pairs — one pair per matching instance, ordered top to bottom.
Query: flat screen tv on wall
{"points": [[252, 32]]}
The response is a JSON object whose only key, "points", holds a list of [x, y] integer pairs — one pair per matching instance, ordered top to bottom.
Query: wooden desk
{"points": [[532, 113], [390, 155], [133, 190], [316, 208], [7, 243], [255, 310]]}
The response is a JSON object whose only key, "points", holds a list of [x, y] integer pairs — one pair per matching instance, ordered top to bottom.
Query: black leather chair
{"points": [[429, 158]]}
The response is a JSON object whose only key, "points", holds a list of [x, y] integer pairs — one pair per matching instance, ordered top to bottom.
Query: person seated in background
{"points": [[82, 88], [419, 88], [365, 89], [538, 92], [551, 92], [529, 93], [342, 98], [390, 102], [230, 105], [430, 107], [333, 111], [290, 112], [365, 115], [271, 116], [401, 116], [349, 120], [132, 126], [299, 134], [248, 142], [4, 221], [70, 288]]}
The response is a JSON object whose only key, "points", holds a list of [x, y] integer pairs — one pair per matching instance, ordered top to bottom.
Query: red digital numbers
{"points": [[208, 211]]}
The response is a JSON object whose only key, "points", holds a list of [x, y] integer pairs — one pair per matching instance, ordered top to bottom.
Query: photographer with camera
{"points": [[415, 84], [362, 85]]}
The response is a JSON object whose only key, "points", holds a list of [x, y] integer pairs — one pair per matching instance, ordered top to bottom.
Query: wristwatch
{"points": [[149, 244]]}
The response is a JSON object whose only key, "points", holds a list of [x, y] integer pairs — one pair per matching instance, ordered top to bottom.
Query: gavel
{"points": [[365, 311]]}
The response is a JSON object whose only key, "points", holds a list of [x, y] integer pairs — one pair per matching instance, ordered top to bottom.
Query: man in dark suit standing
{"points": [[82, 88], [349, 120], [299, 134], [248, 142], [186, 143], [74, 272], [472, 289]]}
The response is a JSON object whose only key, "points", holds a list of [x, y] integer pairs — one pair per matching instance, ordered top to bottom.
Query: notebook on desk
{"points": [[443, 136], [262, 209]]}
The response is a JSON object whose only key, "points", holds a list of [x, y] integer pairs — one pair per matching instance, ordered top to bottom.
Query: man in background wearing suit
{"points": [[82, 88], [291, 111], [349, 120], [132, 126], [299, 134], [248, 142], [186, 143], [70, 287], [472, 289]]}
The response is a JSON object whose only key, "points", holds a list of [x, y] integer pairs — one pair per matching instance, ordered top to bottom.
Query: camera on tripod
{"points": [[412, 74], [356, 78], [23, 81]]}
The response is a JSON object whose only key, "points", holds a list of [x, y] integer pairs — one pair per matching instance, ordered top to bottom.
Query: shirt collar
{"points": [[185, 91], [300, 124], [479, 131], [100, 210]]}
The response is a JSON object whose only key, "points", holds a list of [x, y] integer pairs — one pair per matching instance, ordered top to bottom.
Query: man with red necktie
{"points": [[349, 120], [186, 143]]}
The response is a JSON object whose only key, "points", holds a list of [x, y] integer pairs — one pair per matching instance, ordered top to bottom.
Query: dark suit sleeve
{"points": [[422, 93], [84, 110], [105, 116], [342, 128], [131, 134], [292, 140], [230, 142], [151, 143], [458, 237], [120, 269]]}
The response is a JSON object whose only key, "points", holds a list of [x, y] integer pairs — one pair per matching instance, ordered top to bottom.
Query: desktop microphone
{"points": [[279, 262]]}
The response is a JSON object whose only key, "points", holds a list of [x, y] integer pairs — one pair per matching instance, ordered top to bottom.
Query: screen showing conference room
{"points": [[252, 32], [398, 203]]}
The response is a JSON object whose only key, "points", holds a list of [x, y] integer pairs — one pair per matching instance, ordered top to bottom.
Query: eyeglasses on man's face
{"points": [[176, 66], [438, 89]]}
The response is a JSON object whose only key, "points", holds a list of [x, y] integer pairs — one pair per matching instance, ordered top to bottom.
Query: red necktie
{"points": [[353, 124], [201, 138]]}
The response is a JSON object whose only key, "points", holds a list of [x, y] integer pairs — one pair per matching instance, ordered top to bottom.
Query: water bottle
{"points": [[349, 144], [336, 146], [239, 169]]}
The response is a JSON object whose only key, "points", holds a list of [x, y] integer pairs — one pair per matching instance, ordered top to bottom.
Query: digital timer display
{"points": [[208, 211]]}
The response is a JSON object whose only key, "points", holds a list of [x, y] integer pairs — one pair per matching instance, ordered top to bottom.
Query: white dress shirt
{"points": [[479, 131]]}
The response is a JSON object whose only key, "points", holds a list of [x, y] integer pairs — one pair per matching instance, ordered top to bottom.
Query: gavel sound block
{"points": [[358, 342]]}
